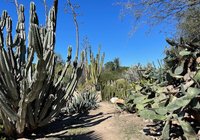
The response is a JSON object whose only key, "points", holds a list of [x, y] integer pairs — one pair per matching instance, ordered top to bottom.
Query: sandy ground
{"points": [[104, 123], [118, 125]]}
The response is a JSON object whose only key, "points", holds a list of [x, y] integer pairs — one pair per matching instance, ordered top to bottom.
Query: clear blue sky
{"points": [[99, 21]]}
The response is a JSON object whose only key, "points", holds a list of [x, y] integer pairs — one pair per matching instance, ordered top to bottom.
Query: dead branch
{"points": [[76, 26]]}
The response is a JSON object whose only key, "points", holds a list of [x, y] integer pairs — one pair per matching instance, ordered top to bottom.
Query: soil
{"points": [[104, 123], [118, 125]]}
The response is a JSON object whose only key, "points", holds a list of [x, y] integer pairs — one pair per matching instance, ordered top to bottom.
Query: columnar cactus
{"points": [[94, 69], [31, 98]]}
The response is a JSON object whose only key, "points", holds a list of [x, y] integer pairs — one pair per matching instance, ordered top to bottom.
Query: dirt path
{"points": [[104, 123], [117, 126]]}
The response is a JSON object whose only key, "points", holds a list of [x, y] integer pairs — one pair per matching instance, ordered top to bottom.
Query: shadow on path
{"points": [[58, 129]]}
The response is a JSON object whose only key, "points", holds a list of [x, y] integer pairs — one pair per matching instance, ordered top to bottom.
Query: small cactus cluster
{"points": [[117, 88], [31, 95]]}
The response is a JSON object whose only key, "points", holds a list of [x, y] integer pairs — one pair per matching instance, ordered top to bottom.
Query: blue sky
{"points": [[99, 21]]}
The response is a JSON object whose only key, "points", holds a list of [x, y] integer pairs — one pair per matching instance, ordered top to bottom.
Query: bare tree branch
{"points": [[15, 2], [17, 5], [153, 12], [76, 26]]}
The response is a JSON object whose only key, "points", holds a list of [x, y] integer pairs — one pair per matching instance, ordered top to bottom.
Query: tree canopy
{"points": [[153, 12], [189, 25]]}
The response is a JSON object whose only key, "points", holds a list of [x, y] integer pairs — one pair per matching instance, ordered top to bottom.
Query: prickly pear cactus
{"points": [[30, 94], [179, 115]]}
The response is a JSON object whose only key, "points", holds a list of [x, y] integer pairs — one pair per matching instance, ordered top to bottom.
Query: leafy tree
{"points": [[113, 65], [110, 66]]}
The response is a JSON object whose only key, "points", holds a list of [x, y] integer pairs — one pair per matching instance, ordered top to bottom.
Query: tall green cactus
{"points": [[94, 69], [32, 98]]}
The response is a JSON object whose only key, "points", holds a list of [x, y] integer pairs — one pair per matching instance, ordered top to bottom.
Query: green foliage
{"points": [[116, 62], [113, 65], [110, 66], [93, 69], [58, 71], [133, 73], [110, 76], [112, 82], [118, 88], [145, 88], [170, 95], [31, 98], [82, 103]]}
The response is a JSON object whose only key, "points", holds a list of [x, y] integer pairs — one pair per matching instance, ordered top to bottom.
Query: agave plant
{"points": [[31, 95], [82, 103]]}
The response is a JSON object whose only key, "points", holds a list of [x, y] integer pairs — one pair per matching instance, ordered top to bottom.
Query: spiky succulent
{"points": [[31, 95], [82, 103]]}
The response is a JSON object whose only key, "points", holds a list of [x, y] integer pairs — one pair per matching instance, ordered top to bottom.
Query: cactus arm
{"points": [[3, 20], [22, 34], [34, 36], [49, 39], [37, 41], [9, 44], [31, 49], [49, 60], [29, 64], [101, 65], [65, 68], [52, 69], [75, 76], [9, 78], [37, 83], [69, 91], [41, 100], [46, 107], [6, 108], [31, 116], [7, 124], [20, 124]]}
